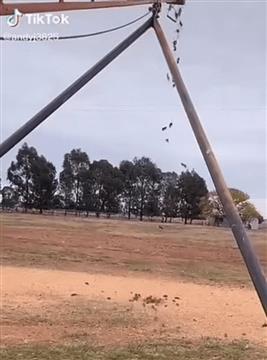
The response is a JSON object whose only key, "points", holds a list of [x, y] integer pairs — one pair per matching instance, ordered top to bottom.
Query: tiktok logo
{"points": [[37, 19], [13, 20]]}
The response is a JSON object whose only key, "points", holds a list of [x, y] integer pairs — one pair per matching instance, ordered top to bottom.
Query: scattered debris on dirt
{"points": [[136, 297], [152, 300], [91, 308]]}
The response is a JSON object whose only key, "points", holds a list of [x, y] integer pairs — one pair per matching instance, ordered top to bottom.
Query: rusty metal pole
{"points": [[40, 7], [49, 109], [244, 244]]}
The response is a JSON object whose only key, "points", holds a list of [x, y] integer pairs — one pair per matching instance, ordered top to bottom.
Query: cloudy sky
{"points": [[120, 113]]}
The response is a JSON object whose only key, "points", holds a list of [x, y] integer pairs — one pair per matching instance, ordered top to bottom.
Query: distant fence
{"points": [[84, 214], [120, 216]]}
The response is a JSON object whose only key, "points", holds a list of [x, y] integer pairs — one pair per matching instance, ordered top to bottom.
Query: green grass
{"points": [[207, 350]]}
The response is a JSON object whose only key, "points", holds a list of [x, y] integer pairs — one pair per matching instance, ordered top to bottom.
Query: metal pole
{"points": [[28, 8], [71, 90], [244, 244]]}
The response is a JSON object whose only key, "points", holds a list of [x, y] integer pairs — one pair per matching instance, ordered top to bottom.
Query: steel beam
{"points": [[28, 8], [49, 109], [239, 232]]}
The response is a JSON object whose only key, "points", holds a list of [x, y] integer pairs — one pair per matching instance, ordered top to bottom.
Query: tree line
{"points": [[136, 187]]}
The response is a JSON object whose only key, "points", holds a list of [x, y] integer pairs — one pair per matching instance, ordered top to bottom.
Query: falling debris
{"points": [[174, 14], [169, 17], [168, 77], [164, 128], [184, 165], [161, 227], [136, 297], [152, 300]]}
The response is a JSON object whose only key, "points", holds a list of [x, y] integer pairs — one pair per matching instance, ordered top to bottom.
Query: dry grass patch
{"points": [[205, 350]]}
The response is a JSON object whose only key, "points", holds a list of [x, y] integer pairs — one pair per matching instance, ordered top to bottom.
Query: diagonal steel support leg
{"points": [[37, 119], [246, 249]]}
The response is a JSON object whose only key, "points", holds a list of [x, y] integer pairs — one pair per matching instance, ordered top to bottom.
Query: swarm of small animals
{"points": [[174, 14], [164, 128]]}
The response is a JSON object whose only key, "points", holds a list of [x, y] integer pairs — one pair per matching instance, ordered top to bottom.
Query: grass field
{"points": [[195, 253], [76, 288], [180, 351]]}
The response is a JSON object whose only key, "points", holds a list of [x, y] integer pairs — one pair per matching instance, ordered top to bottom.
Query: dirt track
{"points": [[197, 310]]}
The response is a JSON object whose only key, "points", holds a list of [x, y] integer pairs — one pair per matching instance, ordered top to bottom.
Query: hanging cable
{"points": [[79, 36]]}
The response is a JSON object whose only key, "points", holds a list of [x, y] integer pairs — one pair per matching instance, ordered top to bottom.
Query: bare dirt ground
{"points": [[111, 283], [35, 298]]}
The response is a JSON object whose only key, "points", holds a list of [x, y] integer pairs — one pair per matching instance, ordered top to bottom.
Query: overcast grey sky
{"points": [[120, 113]]}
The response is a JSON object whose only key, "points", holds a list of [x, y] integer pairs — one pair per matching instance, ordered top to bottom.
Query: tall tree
{"points": [[74, 165], [128, 171], [20, 174], [33, 178], [148, 180], [44, 183], [87, 185], [107, 187], [192, 190], [170, 195], [238, 196], [9, 197], [152, 204], [247, 211]]}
